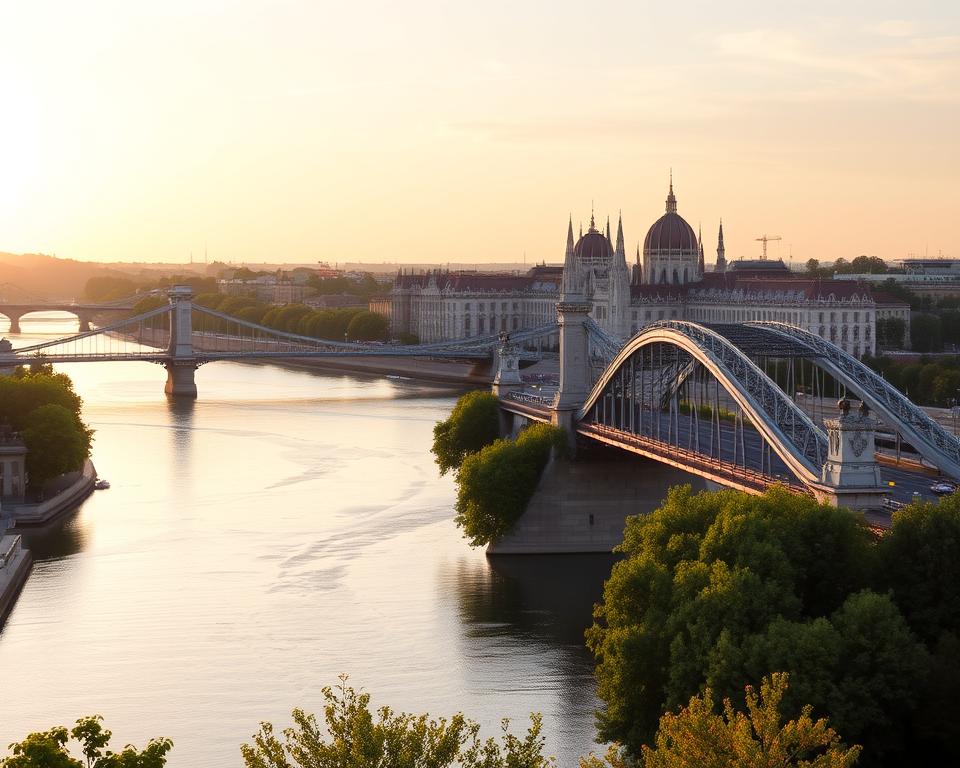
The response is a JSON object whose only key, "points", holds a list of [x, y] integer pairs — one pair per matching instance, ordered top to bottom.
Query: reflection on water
{"points": [[283, 529]]}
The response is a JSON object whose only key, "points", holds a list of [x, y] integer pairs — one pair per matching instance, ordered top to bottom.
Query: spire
{"points": [[671, 198], [593, 224], [581, 230], [608, 232], [621, 252], [721, 252], [700, 265], [637, 277], [571, 278]]}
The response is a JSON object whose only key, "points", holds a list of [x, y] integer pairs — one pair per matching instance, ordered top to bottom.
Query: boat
{"points": [[101, 485]]}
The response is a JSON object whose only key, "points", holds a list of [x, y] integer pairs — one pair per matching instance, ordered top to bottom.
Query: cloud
{"points": [[893, 28], [814, 65]]}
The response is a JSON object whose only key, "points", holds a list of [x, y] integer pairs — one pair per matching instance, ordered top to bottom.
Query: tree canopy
{"points": [[473, 423], [495, 484], [720, 589], [352, 736], [48, 749]]}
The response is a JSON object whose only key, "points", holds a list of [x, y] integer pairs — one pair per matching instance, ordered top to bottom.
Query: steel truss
{"points": [[683, 348], [933, 442]]}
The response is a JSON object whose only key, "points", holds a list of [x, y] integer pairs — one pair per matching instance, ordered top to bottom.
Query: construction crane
{"points": [[766, 239]]}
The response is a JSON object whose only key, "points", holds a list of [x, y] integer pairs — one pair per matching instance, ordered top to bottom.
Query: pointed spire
{"points": [[671, 198], [593, 224], [581, 230], [609, 240], [621, 251], [721, 252], [700, 262], [637, 277], [571, 278]]}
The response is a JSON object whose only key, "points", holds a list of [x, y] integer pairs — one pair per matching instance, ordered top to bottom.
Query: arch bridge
{"points": [[724, 401]]}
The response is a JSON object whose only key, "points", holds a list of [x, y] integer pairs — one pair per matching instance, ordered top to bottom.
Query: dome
{"points": [[670, 233], [593, 248]]}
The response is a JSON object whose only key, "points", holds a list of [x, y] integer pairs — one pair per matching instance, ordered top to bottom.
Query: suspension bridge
{"points": [[181, 336]]}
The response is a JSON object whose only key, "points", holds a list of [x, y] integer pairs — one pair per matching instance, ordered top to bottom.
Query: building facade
{"points": [[670, 283]]}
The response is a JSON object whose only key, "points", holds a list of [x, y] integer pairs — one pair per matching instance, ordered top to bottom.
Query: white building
{"points": [[671, 283]]}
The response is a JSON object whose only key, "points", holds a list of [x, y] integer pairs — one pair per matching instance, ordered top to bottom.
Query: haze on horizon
{"points": [[290, 131]]}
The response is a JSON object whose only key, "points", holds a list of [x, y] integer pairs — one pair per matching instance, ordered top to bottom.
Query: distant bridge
{"points": [[15, 311], [182, 336]]}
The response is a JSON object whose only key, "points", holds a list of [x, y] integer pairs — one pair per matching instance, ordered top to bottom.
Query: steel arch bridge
{"points": [[703, 398]]}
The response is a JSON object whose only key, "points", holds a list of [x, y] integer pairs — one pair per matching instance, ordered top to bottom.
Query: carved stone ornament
{"points": [[858, 442]]}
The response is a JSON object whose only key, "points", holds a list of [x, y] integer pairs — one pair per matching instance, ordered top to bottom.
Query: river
{"points": [[287, 527]]}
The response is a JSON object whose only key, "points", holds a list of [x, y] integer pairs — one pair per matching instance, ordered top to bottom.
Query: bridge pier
{"points": [[84, 321], [14, 323], [181, 381]]}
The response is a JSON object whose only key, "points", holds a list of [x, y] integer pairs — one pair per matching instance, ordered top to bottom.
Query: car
{"points": [[943, 488]]}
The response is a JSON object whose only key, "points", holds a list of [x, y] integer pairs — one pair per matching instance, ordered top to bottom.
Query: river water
{"points": [[286, 528]]}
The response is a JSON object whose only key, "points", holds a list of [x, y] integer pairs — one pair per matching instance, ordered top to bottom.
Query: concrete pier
{"points": [[181, 381], [582, 505]]}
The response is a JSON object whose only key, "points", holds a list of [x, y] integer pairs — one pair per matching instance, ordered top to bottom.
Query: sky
{"points": [[429, 131]]}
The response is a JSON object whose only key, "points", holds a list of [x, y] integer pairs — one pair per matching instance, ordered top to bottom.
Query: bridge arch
{"points": [[790, 433], [931, 441]]}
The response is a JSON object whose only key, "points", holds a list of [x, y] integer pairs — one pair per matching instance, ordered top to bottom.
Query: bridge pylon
{"points": [[181, 364]]}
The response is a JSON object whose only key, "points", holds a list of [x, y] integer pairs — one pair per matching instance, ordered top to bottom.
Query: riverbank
{"points": [[66, 498], [15, 563]]}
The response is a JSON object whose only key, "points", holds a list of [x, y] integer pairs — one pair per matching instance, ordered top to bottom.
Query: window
{"points": [[466, 307], [516, 323]]}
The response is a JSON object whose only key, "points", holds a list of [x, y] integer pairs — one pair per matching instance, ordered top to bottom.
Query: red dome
{"points": [[671, 233], [593, 247]]}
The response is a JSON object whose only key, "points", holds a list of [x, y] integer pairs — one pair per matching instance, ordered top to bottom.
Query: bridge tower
{"points": [[573, 311], [181, 363], [508, 367], [851, 476]]}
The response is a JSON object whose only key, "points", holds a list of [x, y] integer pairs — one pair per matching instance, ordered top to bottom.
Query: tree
{"points": [[813, 266], [107, 287], [368, 326], [925, 333], [473, 423], [56, 442], [495, 484], [704, 579], [355, 737], [699, 737], [48, 749]]}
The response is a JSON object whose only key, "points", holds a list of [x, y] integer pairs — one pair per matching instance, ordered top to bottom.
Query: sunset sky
{"points": [[468, 132]]}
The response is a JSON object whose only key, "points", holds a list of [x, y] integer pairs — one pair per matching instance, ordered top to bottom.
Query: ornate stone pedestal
{"points": [[508, 370], [851, 476]]}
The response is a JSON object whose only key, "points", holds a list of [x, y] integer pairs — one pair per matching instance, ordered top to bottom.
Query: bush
{"points": [[368, 326], [473, 423], [496, 483], [354, 737]]}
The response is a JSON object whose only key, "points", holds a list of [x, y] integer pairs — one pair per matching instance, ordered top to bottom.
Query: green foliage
{"points": [[107, 288], [368, 326], [926, 333], [929, 382], [43, 406], [473, 423], [57, 442], [495, 484], [722, 588], [354, 737], [699, 737], [48, 749]]}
